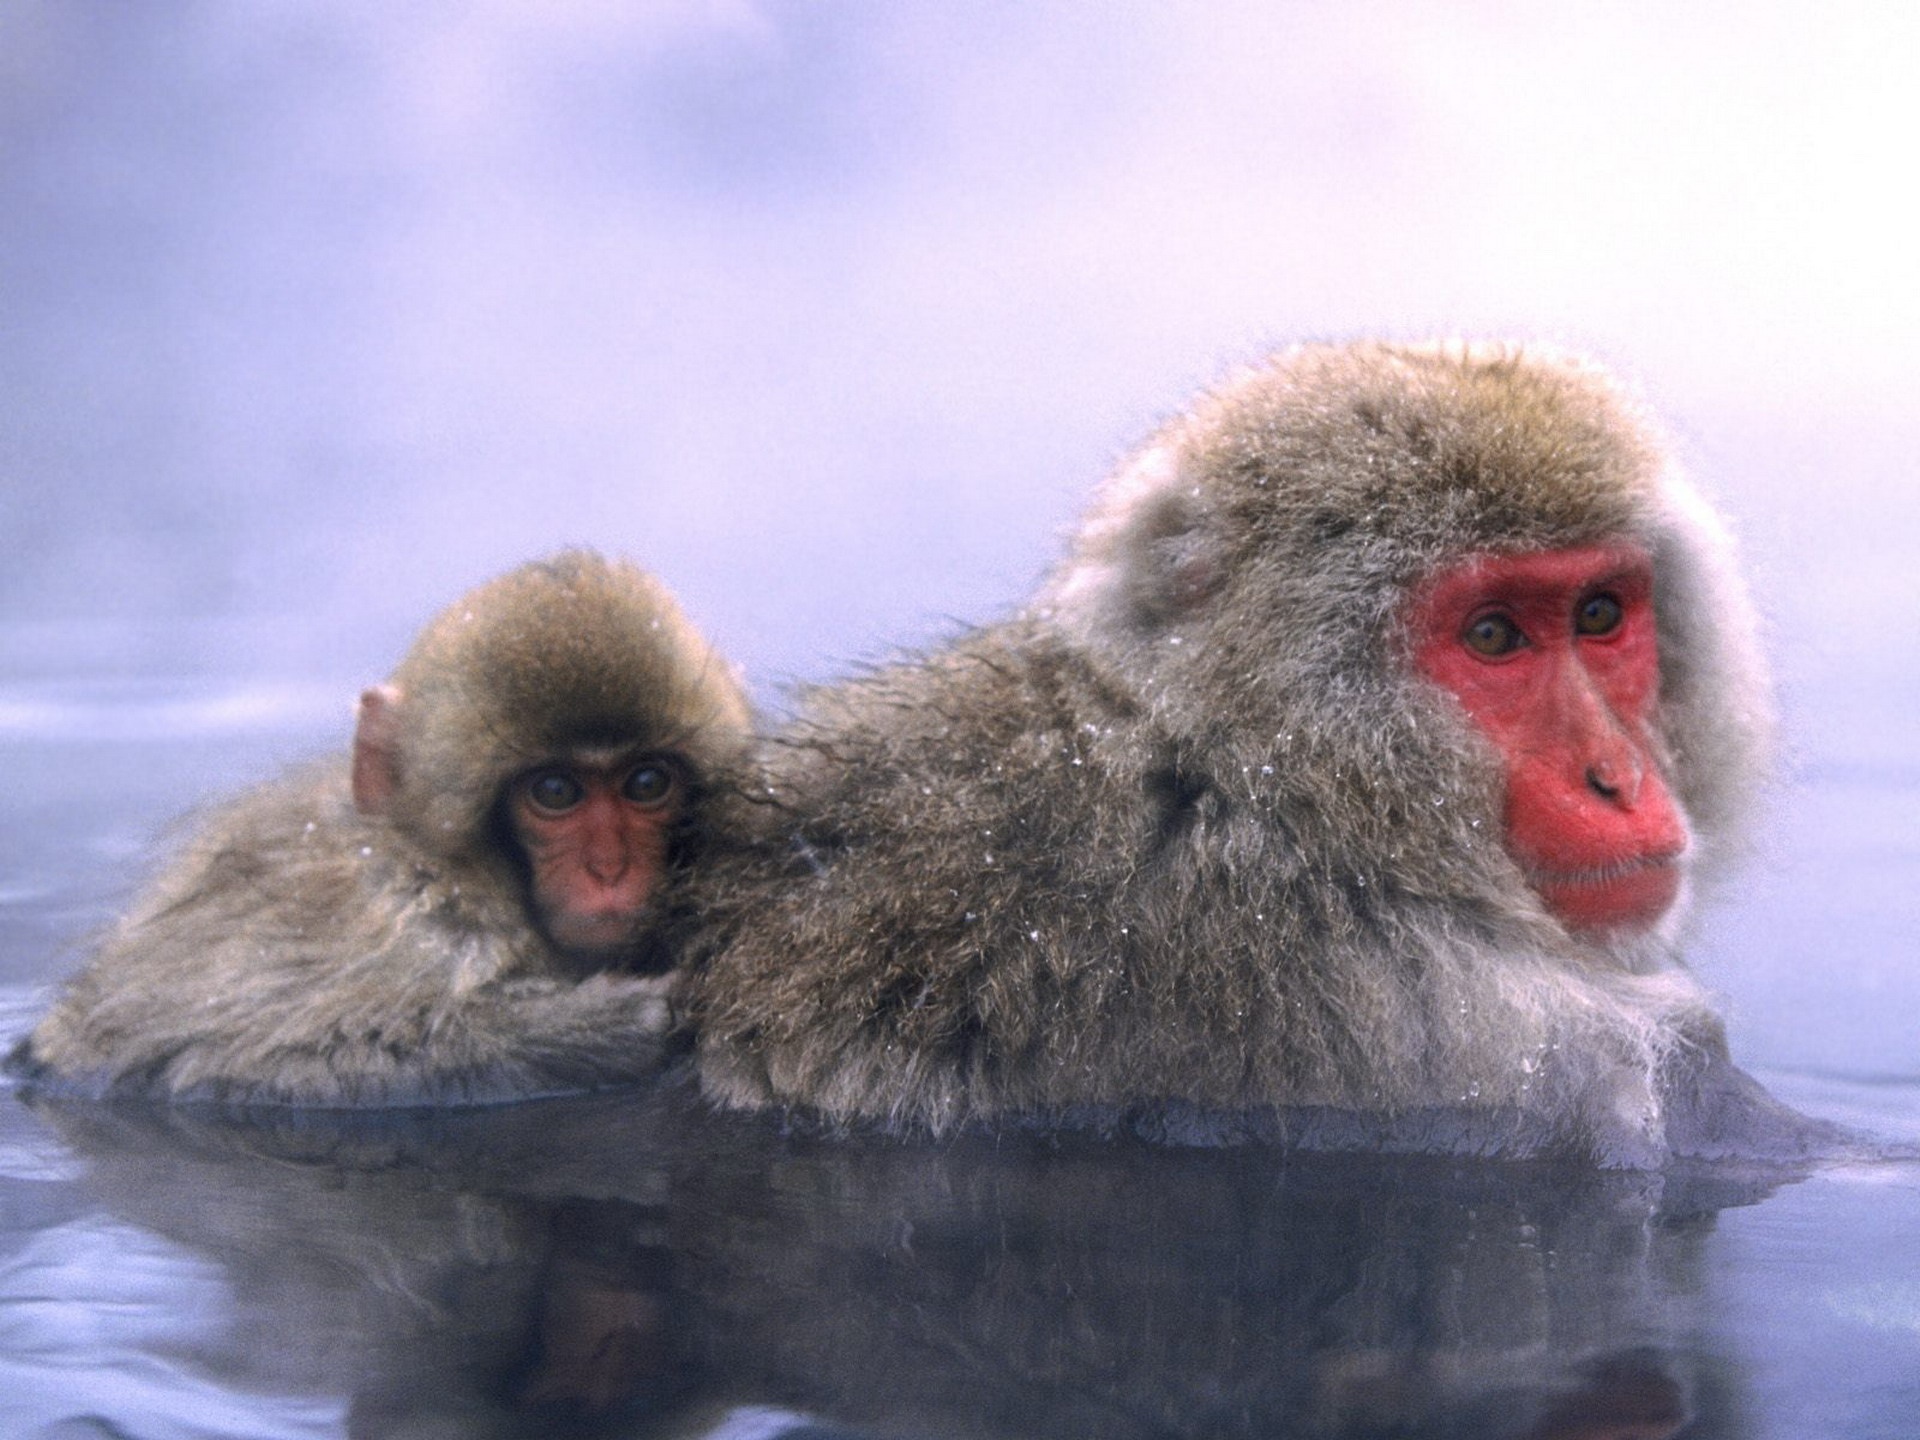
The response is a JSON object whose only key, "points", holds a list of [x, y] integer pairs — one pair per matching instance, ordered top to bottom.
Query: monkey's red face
{"points": [[1554, 657], [596, 839]]}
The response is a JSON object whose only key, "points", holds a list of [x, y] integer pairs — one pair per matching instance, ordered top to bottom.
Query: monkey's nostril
{"points": [[1602, 781]]}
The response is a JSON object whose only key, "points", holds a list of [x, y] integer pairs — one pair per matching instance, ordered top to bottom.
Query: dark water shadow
{"points": [[631, 1264]]}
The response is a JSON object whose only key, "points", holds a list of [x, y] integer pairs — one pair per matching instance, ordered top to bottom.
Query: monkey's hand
{"points": [[604, 1030]]}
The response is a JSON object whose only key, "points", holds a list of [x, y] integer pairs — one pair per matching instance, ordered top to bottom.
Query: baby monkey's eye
{"points": [[1493, 635], [650, 784], [554, 791]]}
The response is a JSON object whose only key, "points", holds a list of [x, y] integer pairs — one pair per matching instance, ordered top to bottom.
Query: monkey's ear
{"points": [[1173, 566], [376, 750]]}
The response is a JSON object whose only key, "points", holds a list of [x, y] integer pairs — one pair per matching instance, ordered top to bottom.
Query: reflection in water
{"points": [[630, 1264]]}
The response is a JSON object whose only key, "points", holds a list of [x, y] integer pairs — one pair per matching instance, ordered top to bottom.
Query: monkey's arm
{"points": [[537, 1035], [505, 1039], [275, 1042], [1718, 1112]]}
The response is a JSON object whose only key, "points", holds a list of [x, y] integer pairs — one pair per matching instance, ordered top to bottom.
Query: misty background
{"points": [[313, 315]]}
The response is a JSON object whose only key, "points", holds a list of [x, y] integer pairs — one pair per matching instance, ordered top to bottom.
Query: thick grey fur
{"points": [[1186, 838]]}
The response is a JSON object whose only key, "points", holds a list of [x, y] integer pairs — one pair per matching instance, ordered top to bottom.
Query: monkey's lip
{"points": [[1619, 894], [614, 928]]}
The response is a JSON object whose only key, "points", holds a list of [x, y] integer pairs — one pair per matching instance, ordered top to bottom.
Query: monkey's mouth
{"points": [[1628, 894], [597, 934]]}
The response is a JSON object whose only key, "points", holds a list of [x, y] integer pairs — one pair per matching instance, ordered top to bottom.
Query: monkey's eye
{"points": [[1598, 615], [1493, 635], [650, 784], [554, 791]]}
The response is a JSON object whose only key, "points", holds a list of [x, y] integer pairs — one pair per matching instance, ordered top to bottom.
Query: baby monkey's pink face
{"points": [[1553, 655], [596, 834]]}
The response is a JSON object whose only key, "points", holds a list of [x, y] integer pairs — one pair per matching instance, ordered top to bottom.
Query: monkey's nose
{"points": [[1614, 780], [604, 857], [606, 866]]}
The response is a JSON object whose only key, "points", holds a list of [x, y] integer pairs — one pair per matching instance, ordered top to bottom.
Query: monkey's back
{"points": [[1007, 888]]}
